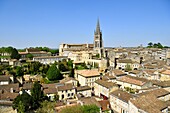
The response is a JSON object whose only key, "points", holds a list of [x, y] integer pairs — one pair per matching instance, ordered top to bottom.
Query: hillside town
{"points": [[115, 80]]}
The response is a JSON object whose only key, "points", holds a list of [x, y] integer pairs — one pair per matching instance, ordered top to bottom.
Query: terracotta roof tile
{"points": [[125, 61], [117, 72], [166, 72], [89, 73], [4, 78], [133, 80], [105, 83], [161, 83], [27, 86], [9, 87], [65, 87], [83, 88], [50, 91], [156, 92], [122, 95], [8, 96], [90, 101], [149, 103], [105, 104]]}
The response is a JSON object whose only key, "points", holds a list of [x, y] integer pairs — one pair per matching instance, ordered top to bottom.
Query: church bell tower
{"points": [[98, 41]]}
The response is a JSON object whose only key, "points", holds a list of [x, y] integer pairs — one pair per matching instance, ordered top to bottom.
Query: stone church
{"points": [[95, 49]]}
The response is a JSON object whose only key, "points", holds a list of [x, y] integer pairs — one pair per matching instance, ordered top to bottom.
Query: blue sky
{"points": [[31, 23]]}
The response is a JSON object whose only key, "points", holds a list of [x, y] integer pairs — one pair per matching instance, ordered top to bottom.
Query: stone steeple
{"points": [[98, 27], [98, 42]]}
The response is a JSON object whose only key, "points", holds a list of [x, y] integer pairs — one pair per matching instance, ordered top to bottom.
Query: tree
{"points": [[150, 44], [155, 45], [159, 45], [54, 51], [14, 54], [30, 56], [70, 64], [34, 67], [62, 67], [128, 68], [19, 71], [54, 74], [71, 74], [37, 95], [56, 97], [22, 102], [21, 107], [46, 107], [81, 109], [90, 109]]}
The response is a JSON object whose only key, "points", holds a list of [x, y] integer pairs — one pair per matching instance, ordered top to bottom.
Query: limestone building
{"points": [[96, 48]]}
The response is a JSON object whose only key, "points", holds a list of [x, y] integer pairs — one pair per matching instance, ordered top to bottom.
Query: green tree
{"points": [[150, 44], [155, 45], [159, 45], [12, 51], [54, 51], [15, 54], [30, 56], [97, 56], [70, 64], [34, 67], [63, 67], [128, 68], [19, 71], [54, 74], [71, 74], [37, 95], [56, 97], [23, 101], [21, 107], [46, 107], [81, 109], [90, 109]]}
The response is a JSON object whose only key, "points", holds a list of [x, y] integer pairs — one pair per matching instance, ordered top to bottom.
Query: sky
{"points": [[125, 23]]}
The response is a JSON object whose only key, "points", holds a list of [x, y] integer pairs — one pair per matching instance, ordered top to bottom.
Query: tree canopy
{"points": [[156, 45], [12, 52], [19, 71], [54, 74], [37, 95], [22, 102], [81, 109]]}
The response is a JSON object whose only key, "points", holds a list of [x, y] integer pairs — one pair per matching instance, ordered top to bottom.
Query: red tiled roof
{"points": [[133, 80], [122, 95], [105, 104]]}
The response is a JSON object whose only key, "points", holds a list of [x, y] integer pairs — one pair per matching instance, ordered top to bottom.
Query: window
{"points": [[62, 96]]}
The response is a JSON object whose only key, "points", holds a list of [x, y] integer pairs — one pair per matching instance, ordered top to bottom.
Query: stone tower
{"points": [[98, 41]]}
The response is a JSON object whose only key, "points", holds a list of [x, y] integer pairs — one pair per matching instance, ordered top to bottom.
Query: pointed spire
{"points": [[98, 26]]}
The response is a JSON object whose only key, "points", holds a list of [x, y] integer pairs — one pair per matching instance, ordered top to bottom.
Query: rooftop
{"points": [[125, 61], [117, 72], [166, 72], [89, 73], [133, 80], [105, 83], [65, 87], [83, 88], [155, 92], [122, 95], [89, 101], [149, 103]]}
